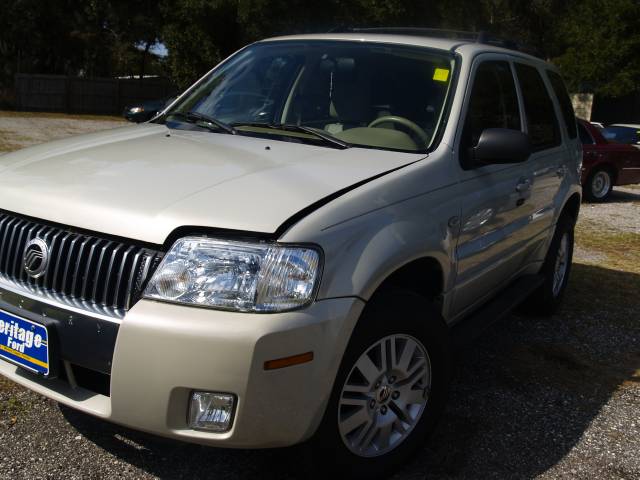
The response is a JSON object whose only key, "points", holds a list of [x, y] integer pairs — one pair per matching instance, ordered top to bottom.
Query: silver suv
{"points": [[290, 250]]}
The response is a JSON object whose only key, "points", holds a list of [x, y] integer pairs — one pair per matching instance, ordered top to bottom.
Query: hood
{"points": [[143, 182]]}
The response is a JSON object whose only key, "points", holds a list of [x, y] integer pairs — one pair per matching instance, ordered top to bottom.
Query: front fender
{"points": [[403, 223]]}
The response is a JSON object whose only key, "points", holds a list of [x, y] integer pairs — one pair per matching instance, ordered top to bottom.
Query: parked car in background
{"points": [[145, 111], [627, 133], [606, 163]]}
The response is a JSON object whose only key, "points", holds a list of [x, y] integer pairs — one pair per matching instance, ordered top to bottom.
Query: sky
{"points": [[160, 49]]}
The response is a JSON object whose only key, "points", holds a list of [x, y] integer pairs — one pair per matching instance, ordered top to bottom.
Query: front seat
{"points": [[350, 96]]}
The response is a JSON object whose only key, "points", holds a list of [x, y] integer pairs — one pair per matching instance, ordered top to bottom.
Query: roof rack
{"points": [[485, 38]]}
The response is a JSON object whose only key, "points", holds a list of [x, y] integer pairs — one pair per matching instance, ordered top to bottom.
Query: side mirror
{"points": [[502, 145]]}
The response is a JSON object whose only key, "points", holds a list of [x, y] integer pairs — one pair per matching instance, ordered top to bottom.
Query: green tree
{"points": [[198, 34], [86, 37], [595, 42], [602, 47]]}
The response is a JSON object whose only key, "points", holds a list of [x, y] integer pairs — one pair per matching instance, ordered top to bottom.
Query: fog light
{"points": [[211, 411]]}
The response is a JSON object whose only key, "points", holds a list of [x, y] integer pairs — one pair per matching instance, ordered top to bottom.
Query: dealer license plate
{"points": [[24, 343]]}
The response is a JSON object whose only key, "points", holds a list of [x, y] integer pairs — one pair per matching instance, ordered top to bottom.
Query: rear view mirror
{"points": [[502, 145]]}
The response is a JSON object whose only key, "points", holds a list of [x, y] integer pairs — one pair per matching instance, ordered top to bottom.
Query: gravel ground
{"points": [[21, 130], [621, 213], [533, 398]]}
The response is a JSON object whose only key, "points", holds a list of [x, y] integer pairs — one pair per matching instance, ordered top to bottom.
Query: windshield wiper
{"points": [[195, 117], [328, 138]]}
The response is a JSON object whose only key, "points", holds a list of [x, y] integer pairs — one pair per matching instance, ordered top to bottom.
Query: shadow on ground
{"points": [[626, 196], [522, 398], [169, 459]]}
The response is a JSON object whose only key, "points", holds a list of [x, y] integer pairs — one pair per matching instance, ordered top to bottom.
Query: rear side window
{"points": [[565, 102], [493, 103], [541, 119], [626, 135]]}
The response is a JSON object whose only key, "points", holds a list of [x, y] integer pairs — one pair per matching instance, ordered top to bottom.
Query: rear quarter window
{"points": [[566, 107], [541, 118]]}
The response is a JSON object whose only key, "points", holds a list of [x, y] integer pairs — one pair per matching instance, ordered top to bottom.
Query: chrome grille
{"points": [[97, 274]]}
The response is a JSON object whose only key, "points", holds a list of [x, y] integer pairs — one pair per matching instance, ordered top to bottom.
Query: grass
{"points": [[10, 113], [7, 139], [10, 140], [4, 145], [619, 250], [609, 281], [601, 300], [10, 405]]}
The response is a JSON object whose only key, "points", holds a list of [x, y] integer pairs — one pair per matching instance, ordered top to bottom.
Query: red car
{"points": [[605, 164]]}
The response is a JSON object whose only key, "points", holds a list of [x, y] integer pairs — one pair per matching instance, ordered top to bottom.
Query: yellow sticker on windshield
{"points": [[441, 75]]}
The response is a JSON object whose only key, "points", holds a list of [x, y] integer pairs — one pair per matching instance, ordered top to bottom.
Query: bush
{"points": [[7, 99]]}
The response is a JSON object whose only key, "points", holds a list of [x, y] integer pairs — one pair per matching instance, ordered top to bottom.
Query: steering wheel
{"points": [[405, 122]]}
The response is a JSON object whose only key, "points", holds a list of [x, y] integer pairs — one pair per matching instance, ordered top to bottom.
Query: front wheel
{"points": [[389, 391]]}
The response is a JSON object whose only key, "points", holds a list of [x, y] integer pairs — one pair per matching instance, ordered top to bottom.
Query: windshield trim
{"points": [[445, 111]]}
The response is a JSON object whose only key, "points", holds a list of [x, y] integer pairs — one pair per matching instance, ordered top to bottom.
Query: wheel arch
{"points": [[608, 166], [572, 207], [423, 276]]}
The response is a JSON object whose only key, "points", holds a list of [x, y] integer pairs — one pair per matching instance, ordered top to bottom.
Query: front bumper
{"points": [[164, 351]]}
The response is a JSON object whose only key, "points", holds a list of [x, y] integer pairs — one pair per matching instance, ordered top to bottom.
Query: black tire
{"points": [[599, 185], [546, 300], [389, 313]]}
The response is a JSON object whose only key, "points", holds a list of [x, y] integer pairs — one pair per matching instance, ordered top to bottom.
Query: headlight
{"points": [[136, 110], [241, 276]]}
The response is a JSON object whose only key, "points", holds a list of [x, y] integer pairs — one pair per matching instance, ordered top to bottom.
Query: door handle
{"points": [[561, 171], [523, 185]]}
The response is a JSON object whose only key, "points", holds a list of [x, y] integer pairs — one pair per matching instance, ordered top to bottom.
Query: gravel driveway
{"points": [[21, 130], [533, 398]]}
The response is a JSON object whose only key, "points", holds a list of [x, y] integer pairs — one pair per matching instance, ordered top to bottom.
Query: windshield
{"points": [[363, 94]]}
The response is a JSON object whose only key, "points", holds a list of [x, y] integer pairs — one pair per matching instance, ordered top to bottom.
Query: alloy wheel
{"points": [[561, 266], [384, 395]]}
